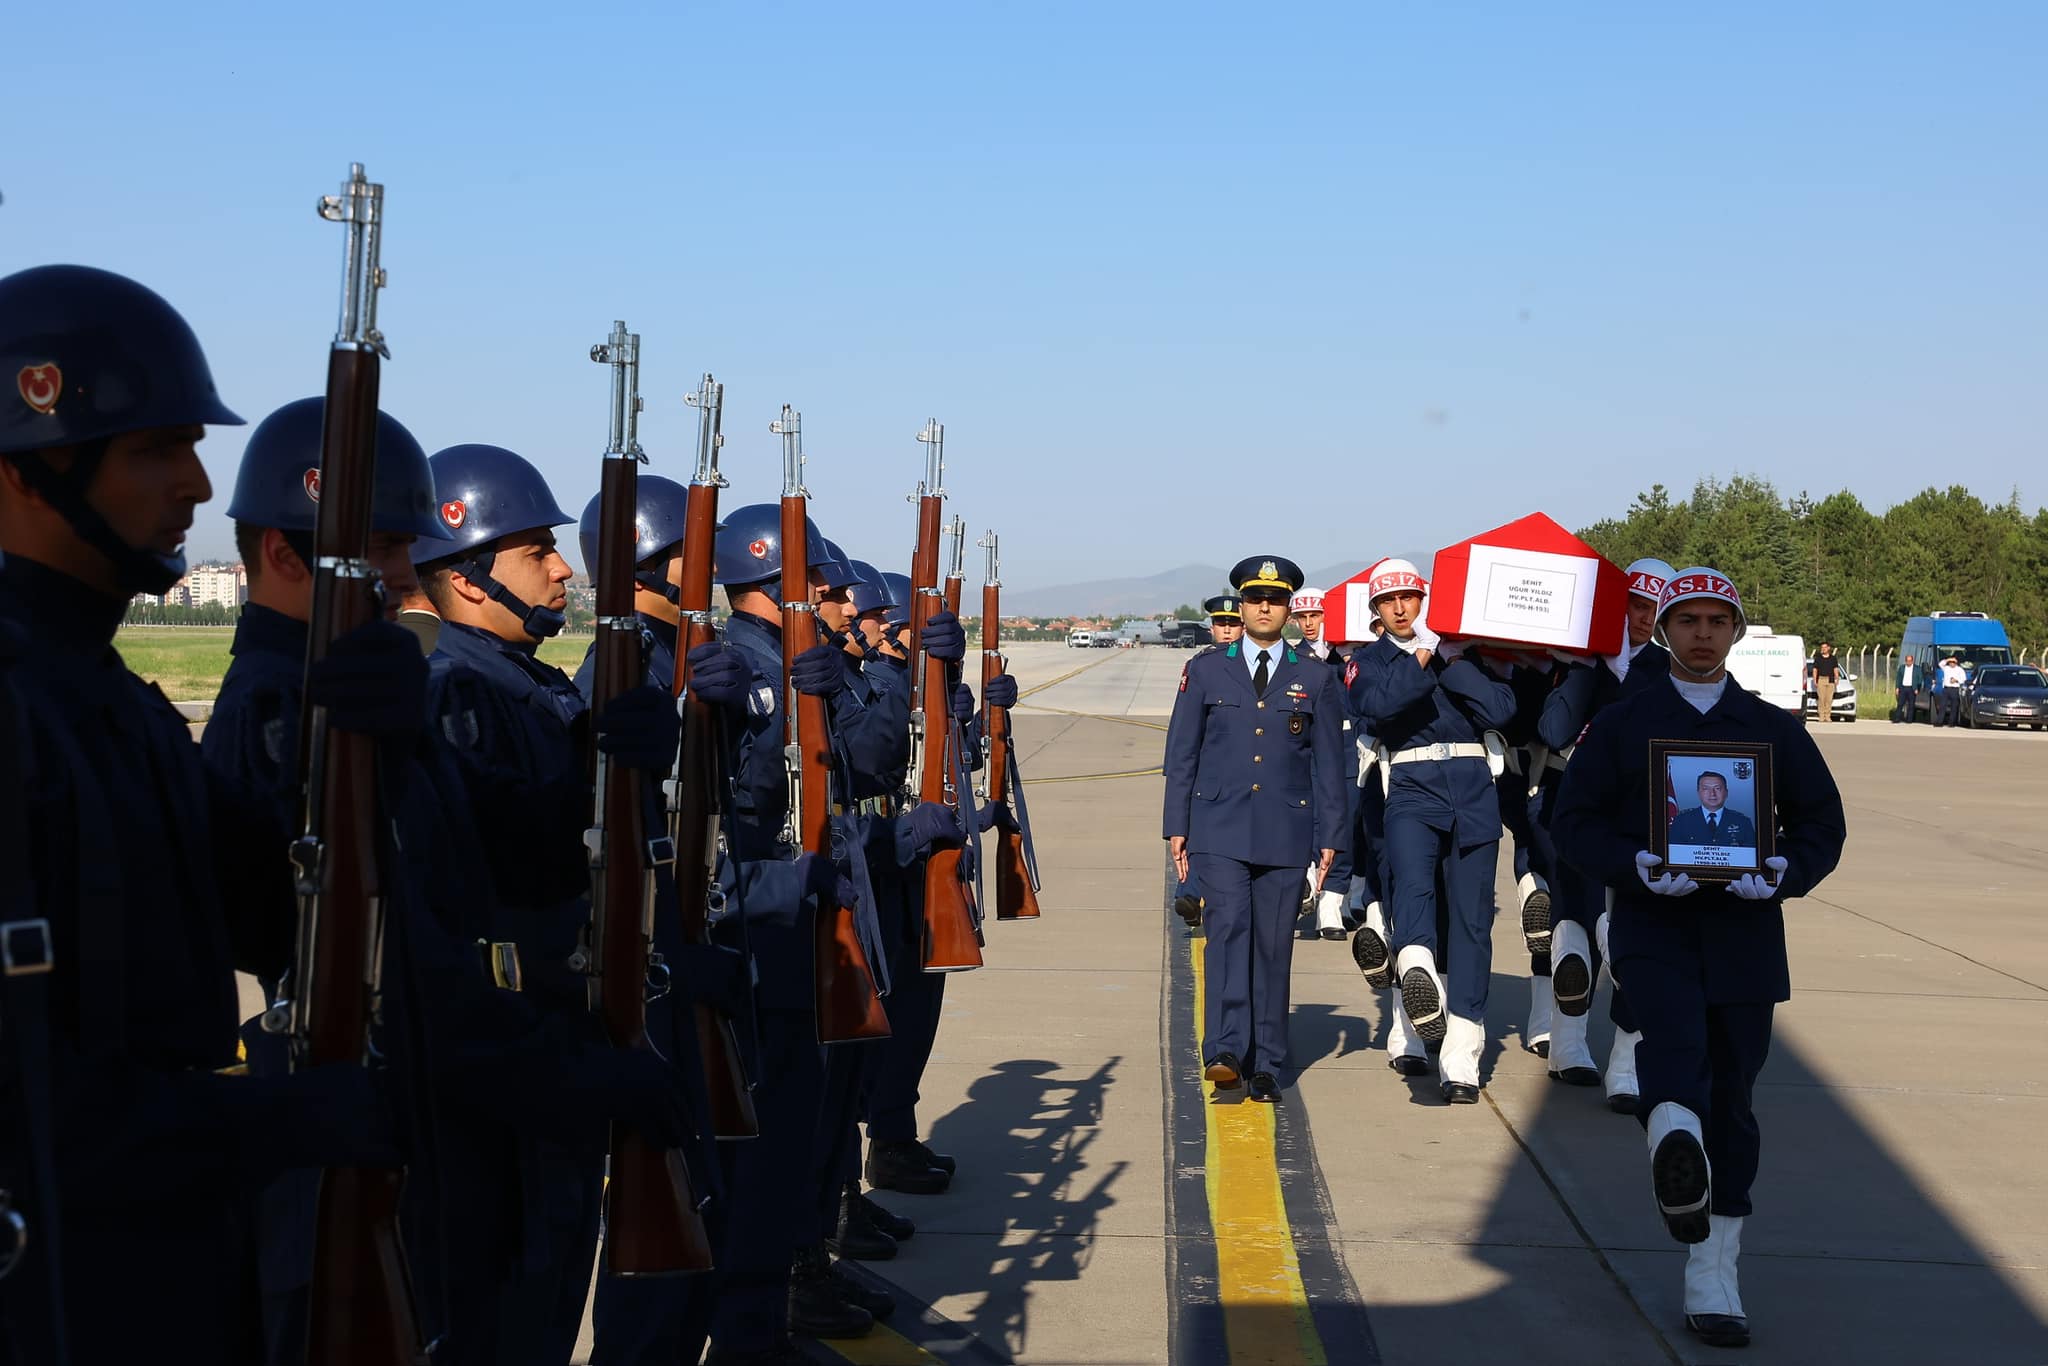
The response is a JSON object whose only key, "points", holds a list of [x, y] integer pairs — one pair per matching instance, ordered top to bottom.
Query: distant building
{"points": [[218, 585]]}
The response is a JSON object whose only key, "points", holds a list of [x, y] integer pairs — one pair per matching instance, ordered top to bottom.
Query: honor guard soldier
{"points": [[1305, 610], [1226, 625], [1648, 660], [1429, 710], [514, 725], [1254, 780], [131, 891], [1705, 965], [768, 1284]]}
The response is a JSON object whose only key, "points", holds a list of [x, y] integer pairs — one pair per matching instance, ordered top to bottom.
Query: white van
{"points": [[1080, 639], [1771, 666]]}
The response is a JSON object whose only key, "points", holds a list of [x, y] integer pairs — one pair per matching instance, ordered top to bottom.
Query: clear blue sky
{"points": [[1184, 282]]}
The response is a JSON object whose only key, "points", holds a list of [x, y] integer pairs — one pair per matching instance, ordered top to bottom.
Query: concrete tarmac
{"points": [[1902, 1210]]}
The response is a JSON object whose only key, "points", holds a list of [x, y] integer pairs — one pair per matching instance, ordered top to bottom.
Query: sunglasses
{"points": [[1257, 595]]}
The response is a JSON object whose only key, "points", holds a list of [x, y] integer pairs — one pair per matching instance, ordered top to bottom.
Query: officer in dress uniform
{"points": [[1306, 612], [1226, 625], [1429, 708], [514, 726], [1254, 778], [131, 891], [1705, 965], [897, 1158], [768, 1283]]}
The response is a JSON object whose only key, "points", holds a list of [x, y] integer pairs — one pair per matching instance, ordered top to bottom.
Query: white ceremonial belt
{"points": [[1433, 754]]}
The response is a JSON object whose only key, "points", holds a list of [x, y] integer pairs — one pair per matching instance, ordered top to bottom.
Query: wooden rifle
{"points": [[696, 791], [1016, 877], [952, 940], [849, 1007], [651, 1223], [361, 1310]]}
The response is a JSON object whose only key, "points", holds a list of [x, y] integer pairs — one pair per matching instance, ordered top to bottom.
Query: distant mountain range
{"points": [[1153, 595]]}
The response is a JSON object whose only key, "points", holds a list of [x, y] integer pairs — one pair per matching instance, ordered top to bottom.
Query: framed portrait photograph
{"points": [[1712, 814]]}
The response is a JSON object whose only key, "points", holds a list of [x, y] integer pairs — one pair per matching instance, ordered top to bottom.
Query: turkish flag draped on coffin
{"points": [[1530, 583]]}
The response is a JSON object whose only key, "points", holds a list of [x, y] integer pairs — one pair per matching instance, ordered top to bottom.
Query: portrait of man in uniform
{"points": [[1711, 811]]}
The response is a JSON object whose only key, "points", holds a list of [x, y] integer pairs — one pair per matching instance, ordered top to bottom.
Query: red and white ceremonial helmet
{"points": [[1394, 576], [1647, 577], [1687, 585], [1306, 600]]}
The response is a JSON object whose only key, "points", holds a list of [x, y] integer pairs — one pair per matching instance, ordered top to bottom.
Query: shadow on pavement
{"points": [[1027, 1133]]}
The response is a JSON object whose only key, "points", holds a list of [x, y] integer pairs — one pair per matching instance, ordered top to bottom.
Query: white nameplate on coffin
{"points": [[1529, 595]]}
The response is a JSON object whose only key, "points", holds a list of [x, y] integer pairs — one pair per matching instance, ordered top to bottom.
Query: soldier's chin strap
{"points": [[137, 570], [539, 622]]}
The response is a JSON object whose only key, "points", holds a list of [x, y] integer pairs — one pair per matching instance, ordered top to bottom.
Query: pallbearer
{"points": [[1429, 708], [1253, 779], [1328, 903], [1705, 964]]}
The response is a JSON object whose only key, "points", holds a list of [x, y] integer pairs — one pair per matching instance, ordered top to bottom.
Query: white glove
{"points": [[1426, 639], [1449, 650], [1664, 884], [1753, 886]]}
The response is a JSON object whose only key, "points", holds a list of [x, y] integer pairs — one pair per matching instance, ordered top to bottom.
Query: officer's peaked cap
{"points": [[1267, 571]]}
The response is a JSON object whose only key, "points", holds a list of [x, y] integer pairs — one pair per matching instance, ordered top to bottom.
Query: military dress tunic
{"points": [[1255, 785]]}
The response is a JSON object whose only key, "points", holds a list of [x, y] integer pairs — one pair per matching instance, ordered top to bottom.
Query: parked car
{"points": [[1080, 640], [1104, 640], [2006, 695], [1844, 708]]}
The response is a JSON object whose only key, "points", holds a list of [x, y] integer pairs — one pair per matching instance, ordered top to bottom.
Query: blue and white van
{"points": [[1971, 637]]}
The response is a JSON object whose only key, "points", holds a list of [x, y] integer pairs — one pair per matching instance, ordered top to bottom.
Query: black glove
{"points": [[944, 638], [819, 671], [719, 675], [373, 681], [1000, 691], [963, 702], [640, 729], [924, 827], [639, 1087], [333, 1115]]}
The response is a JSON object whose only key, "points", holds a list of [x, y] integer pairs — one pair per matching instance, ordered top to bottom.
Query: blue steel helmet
{"points": [[92, 355], [279, 482], [486, 492], [659, 515], [749, 547], [836, 567], [870, 594], [899, 598]]}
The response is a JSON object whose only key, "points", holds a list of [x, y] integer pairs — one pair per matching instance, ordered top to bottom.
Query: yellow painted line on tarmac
{"points": [[1071, 673], [1099, 716], [1100, 777], [1258, 1272], [883, 1346]]}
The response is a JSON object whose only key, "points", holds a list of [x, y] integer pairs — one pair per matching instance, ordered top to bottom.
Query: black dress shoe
{"points": [[1189, 908], [1536, 923], [1369, 951], [1571, 984], [1425, 1007], [1542, 1048], [1408, 1065], [1225, 1071], [1576, 1076], [1265, 1089], [1460, 1093], [1622, 1103], [943, 1161], [896, 1166], [1678, 1172], [893, 1224], [858, 1236], [878, 1302], [815, 1307], [1719, 1330]]}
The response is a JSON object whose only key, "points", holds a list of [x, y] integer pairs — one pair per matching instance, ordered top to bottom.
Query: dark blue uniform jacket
{"points": [[1404, 705]]}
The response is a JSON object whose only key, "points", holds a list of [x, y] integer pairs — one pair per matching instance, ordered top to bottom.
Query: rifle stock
{"points": [[695, 808], [1016, 897], [951, 940], [849, 1007], [651, 1223], [360, 1310]]}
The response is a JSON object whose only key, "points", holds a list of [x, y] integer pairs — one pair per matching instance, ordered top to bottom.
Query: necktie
{"points": [[1259, 675], [1714, 822]]}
